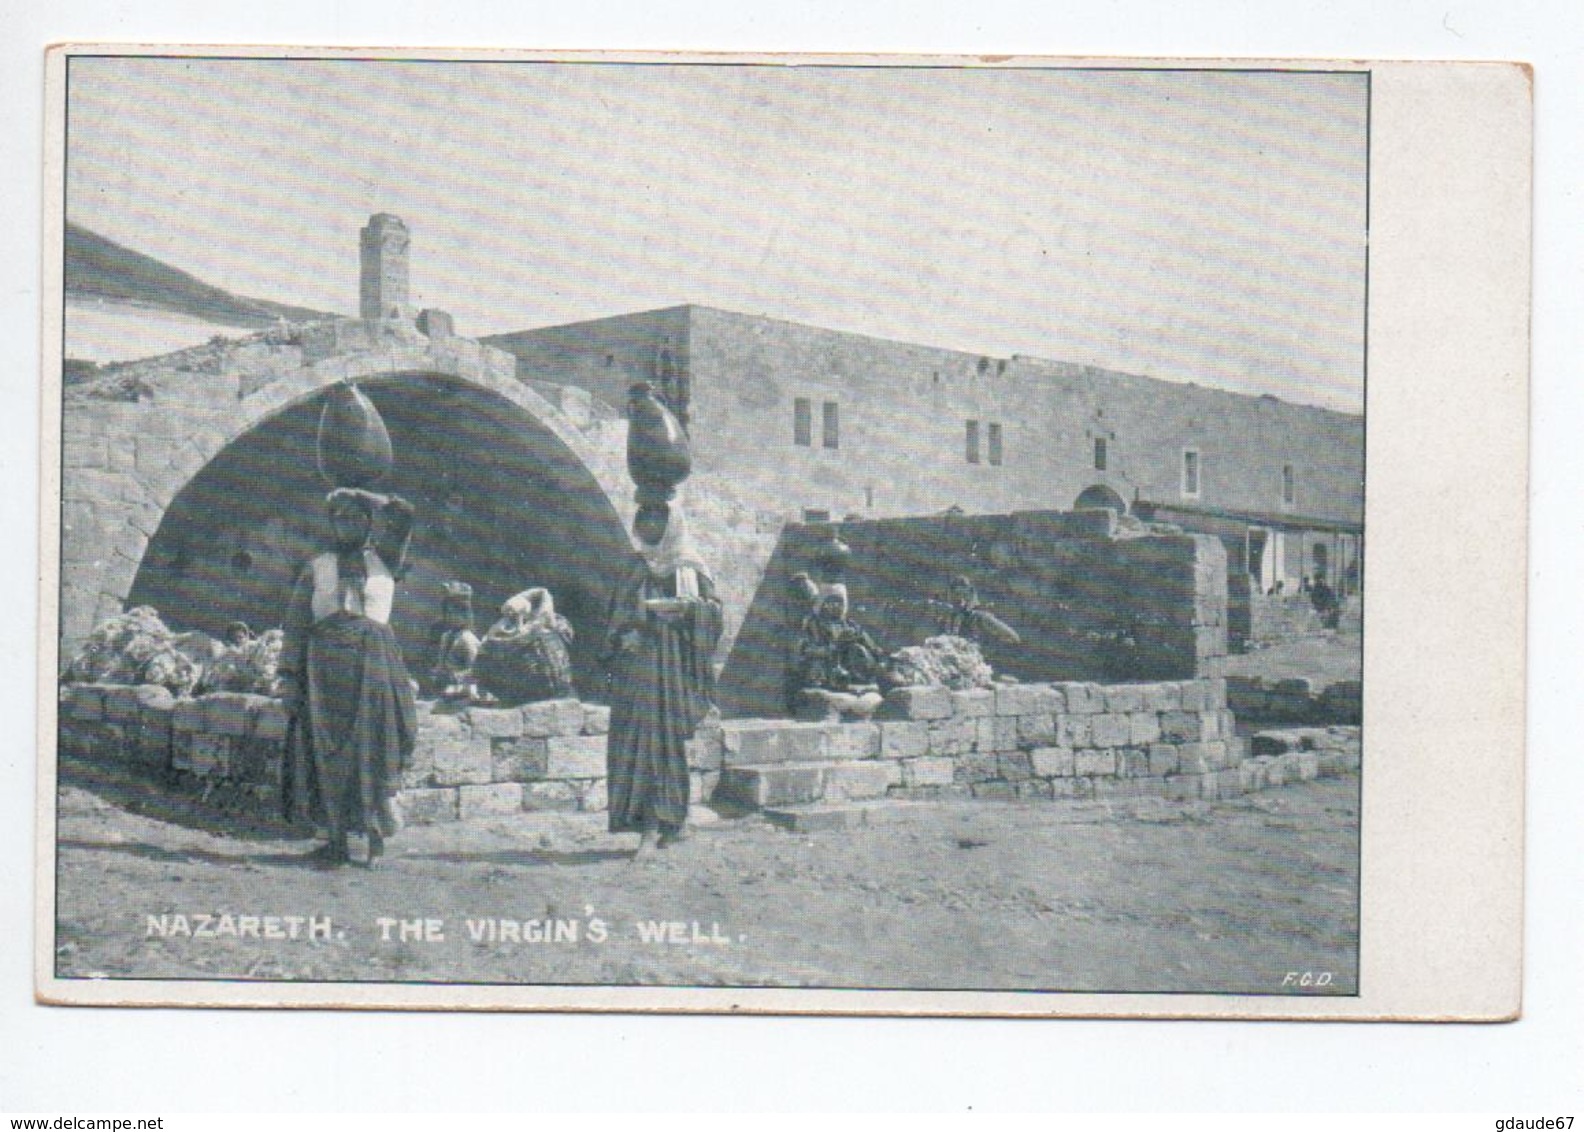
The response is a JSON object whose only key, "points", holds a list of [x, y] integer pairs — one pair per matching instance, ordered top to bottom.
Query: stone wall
{"points": [[1089, 603], [1296, 700], [1173, 739]]}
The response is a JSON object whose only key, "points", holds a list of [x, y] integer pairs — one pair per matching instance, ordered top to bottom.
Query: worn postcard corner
{"points": [[886, 536]]}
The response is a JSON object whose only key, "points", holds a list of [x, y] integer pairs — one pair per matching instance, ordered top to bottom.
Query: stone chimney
{"points": [[382, 288]]}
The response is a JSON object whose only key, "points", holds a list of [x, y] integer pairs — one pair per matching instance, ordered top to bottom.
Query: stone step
{"points": [[801, 783], [824, 816]]}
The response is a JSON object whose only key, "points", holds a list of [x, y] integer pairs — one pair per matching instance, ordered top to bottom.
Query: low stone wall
{"points": [[1295, 700], [1172, 740], [1014, 741]]}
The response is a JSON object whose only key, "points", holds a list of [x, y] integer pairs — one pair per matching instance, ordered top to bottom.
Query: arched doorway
{"points": [[1098, 496], [502, 504]]}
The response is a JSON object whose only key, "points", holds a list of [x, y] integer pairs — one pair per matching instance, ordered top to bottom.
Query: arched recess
{"points": [[1097, 496], [504, 502]]}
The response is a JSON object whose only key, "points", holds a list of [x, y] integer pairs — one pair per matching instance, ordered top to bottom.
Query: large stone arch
{"points": [[137, 439]]}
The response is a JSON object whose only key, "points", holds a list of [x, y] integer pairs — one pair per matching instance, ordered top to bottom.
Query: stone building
{"points": [[800, 423], [188, 480]]}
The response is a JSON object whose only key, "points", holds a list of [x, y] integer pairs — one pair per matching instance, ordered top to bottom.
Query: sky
{"points": [[1193, 226]]}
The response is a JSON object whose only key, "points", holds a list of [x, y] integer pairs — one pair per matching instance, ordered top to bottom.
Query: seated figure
{"points": [[967, 617], [457, 647], [524, 657], [838, 664]]}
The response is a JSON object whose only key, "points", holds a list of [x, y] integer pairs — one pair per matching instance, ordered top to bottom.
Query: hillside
{"points": [[100, 269]]}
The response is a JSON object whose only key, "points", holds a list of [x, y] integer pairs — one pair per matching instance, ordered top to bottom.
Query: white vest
{"points": [[372, 598]]}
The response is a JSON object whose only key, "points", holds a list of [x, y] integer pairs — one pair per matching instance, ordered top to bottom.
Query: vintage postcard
{"points": [[789, 534]]}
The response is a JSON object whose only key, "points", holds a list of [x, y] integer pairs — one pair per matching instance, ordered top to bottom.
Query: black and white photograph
{"points": [[564, 528]]}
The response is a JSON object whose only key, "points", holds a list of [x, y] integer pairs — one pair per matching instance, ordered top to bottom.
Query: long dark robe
{"points": [[660, 689], [356, 723]]}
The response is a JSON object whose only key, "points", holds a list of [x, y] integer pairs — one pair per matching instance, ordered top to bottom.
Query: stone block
{"points": [[1216, 693], [1196, 695], [1162, 697], [1029, 699], [1082, 699], [1124, 699], [922, 702], [973, 702], [122, 704], [226, 713], [188, 716], [557, 718], [596, 719], [500, 723], [1210, 724], [1182, 726], [1143, 728], [1036, 730], [1111, 730], [1075, 731], [996, 733], [953, 736], [899, 740], [759, 741], [849, 741], [153, 742], [1274, 742], [181, 750], [704, 750], [210, 755], [575, 756], [1195, 758], [1162, 759], [519, 760], [462, 761], [1053, 762], [1095, 762], [1133, 763], [1308, 763], [1331, 764], [980, 767], [1015, 767], [927, 772], [1251, 777], [855, 781], [1229, 783], [774, 784], [1182, 787], [1061, 788], [1033, 790], [995, 791], [553, 796], [495, 799], [429, 807], [815, 819]]}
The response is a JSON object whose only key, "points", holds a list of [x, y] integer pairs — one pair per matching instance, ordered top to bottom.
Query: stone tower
{"points": [[383, 284]]}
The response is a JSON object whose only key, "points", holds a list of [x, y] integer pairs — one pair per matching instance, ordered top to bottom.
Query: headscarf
{"points": [[390, 543], [674, 550], [830, 590]]}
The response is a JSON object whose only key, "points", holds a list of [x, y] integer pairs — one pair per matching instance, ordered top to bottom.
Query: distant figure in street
{"points": [[1325, 602], [664, 624], [341, 673]]}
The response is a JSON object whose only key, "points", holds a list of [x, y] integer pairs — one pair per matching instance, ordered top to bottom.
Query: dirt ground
{"points": [[1324, 658], [1147, 896]]}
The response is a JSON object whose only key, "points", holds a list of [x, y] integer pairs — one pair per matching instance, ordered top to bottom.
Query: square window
{"points": [[802, 422], [832, 425], [972, 440], [995, 444], [1100, 453]]}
